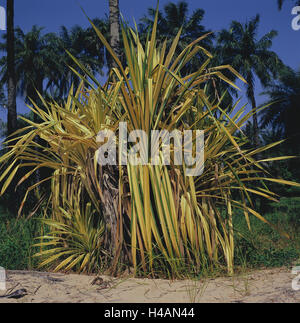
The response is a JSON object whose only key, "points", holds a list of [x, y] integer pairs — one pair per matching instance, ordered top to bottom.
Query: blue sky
{"points": [[218, 14]]}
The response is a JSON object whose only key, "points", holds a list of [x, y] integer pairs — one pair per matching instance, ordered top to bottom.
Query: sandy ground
{"points": [[266, 286]]}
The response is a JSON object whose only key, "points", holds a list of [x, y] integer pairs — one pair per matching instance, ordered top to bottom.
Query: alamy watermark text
{"points": [[296, 20]]}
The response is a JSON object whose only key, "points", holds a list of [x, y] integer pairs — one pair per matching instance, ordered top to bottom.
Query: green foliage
{"points": [[173, 18], [247, 54], [42, 63], [284, 96], [283, 117], [16, 240], [264, 246]]}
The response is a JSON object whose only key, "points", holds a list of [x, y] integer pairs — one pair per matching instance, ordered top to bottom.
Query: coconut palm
{"points": [[174, 17], [92, 44], [82, 45], [251, 57], [43, 61], [36, 62], [11, 77], [284, 113]]}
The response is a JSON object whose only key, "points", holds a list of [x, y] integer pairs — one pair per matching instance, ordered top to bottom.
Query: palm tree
{"points": [[174, 17], [114, 21], [84, 45], [93, 46], [250, 56], [35, 61], [42, 63], [11, 77], [284, 112], [281, 120]]}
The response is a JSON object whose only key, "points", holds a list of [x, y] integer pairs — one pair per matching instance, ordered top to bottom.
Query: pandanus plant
{"points": [[153, 217]]}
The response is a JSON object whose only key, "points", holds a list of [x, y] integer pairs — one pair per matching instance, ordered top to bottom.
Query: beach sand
{"points": [[268, 286]]}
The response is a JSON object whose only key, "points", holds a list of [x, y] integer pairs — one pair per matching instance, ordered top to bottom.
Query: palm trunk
{"points": [[114, 21], [11, 84], [11, 94], [109, 178], [109, 182]]}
